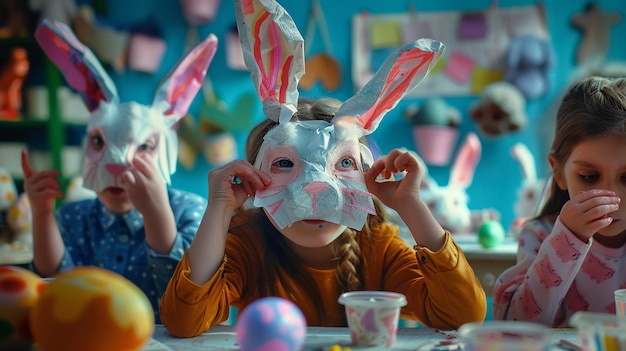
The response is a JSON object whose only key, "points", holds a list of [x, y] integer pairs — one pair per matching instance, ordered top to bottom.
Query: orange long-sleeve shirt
{"points": [[441, 288]]}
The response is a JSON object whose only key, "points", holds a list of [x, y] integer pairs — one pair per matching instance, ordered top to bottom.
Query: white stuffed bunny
{"points": [[117, 130], [329, 159], [531, 194], [449, 204]]}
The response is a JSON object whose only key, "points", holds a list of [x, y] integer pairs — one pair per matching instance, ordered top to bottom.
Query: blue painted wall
{"points": [[497, 176]]}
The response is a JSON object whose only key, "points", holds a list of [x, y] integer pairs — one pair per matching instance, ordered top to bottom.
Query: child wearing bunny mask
{"points": [[137, 226], [316, 231], [571, 256]]}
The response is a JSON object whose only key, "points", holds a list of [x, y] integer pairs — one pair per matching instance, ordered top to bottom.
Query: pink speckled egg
{"points": [[19, 291], [271, 323]]}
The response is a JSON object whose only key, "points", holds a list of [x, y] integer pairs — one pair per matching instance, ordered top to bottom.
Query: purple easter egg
{"points": [[271, 323]]}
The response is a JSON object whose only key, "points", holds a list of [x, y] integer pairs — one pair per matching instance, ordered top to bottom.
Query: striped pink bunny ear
{"points": [[273, 51], [400, 73]]}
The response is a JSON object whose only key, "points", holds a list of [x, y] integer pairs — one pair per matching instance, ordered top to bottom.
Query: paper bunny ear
{"points": [[273, 51], [79, 65], [400, 73], [181, 85], [464, 165]]}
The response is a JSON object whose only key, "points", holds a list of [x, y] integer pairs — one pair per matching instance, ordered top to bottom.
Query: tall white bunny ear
{"points": [[273, 51], [79, 65], [399, 74], [181, 85], [526, 160], [465, 163]]}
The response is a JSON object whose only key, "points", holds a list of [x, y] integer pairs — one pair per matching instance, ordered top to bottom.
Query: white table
{"points": [[320, 339]]}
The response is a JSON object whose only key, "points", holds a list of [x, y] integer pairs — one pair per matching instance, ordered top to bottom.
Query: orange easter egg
{"points": [[19, 291], [93, 309]]}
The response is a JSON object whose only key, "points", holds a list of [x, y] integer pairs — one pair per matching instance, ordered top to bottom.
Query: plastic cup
{"points": [[620, 306], [373, 316], [599, 331], [505, 335]]}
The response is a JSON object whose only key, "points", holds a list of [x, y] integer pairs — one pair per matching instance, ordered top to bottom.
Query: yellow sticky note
{"points": [[385, 34], [482, 76]]}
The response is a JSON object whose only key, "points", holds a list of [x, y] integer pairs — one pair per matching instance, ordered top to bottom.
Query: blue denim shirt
{"points": [[95, 236]]}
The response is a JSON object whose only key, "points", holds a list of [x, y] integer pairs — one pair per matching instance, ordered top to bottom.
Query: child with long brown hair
{"points": [[318, 229], [571, 256]]}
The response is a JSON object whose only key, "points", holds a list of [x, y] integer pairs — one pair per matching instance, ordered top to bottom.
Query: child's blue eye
{"points": [[284, 163], [347, 163]]}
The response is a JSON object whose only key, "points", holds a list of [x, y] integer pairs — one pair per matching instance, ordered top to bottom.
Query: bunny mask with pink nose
{"points": [[118, 131], [317, 167]]}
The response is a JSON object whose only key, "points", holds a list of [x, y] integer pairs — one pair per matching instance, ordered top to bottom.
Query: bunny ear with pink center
{"points": [[273, 51], [79, 65], [400, 73], [181, 85]]}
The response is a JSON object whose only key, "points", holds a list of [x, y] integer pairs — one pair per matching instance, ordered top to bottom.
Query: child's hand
{"points": [[234, 182], [145, 186], [40, 187], [394, 193], [589, 211]]}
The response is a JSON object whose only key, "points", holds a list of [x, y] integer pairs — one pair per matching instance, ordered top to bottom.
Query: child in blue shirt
{"points": [[136, 226]]}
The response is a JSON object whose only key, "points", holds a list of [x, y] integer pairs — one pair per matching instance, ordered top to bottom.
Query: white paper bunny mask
{"points": [[118, 130], [317, 167]]}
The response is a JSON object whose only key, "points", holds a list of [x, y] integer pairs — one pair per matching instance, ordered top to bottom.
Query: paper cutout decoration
{"points": [[55, 10], [199, 12], [472, 26], [596, 26], [385, 34], [108, 44], [146, 47], [145, 52], [234, 54], [481, 54], [528, 64], [322, 66], [459, 67], [12, 76], [123, 127], [211, 134], [194, 138], [312, 189]]}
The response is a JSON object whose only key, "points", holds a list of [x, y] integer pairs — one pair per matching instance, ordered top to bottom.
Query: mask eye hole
{"points": [[96, 141], [149, 146], [346, 164], [282, 165]]}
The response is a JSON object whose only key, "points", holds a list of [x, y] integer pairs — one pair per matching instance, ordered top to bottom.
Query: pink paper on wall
{"points": [[234, 53], [459, 67]]}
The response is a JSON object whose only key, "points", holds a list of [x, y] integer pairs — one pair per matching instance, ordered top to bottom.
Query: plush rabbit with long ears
{"points": [[116, 130], [329, 183], [449, 203]]}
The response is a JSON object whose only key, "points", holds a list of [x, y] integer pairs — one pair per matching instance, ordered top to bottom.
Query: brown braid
{"points": [[348, 253]]}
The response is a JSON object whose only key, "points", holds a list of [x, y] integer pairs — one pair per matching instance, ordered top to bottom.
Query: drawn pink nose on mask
{"points": [[115, 168], [315, 188]]}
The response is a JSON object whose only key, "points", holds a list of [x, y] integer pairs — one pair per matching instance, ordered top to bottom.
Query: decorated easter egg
{"points": [[491, 234], [19, 291], [89, 308], [271, 323]]}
